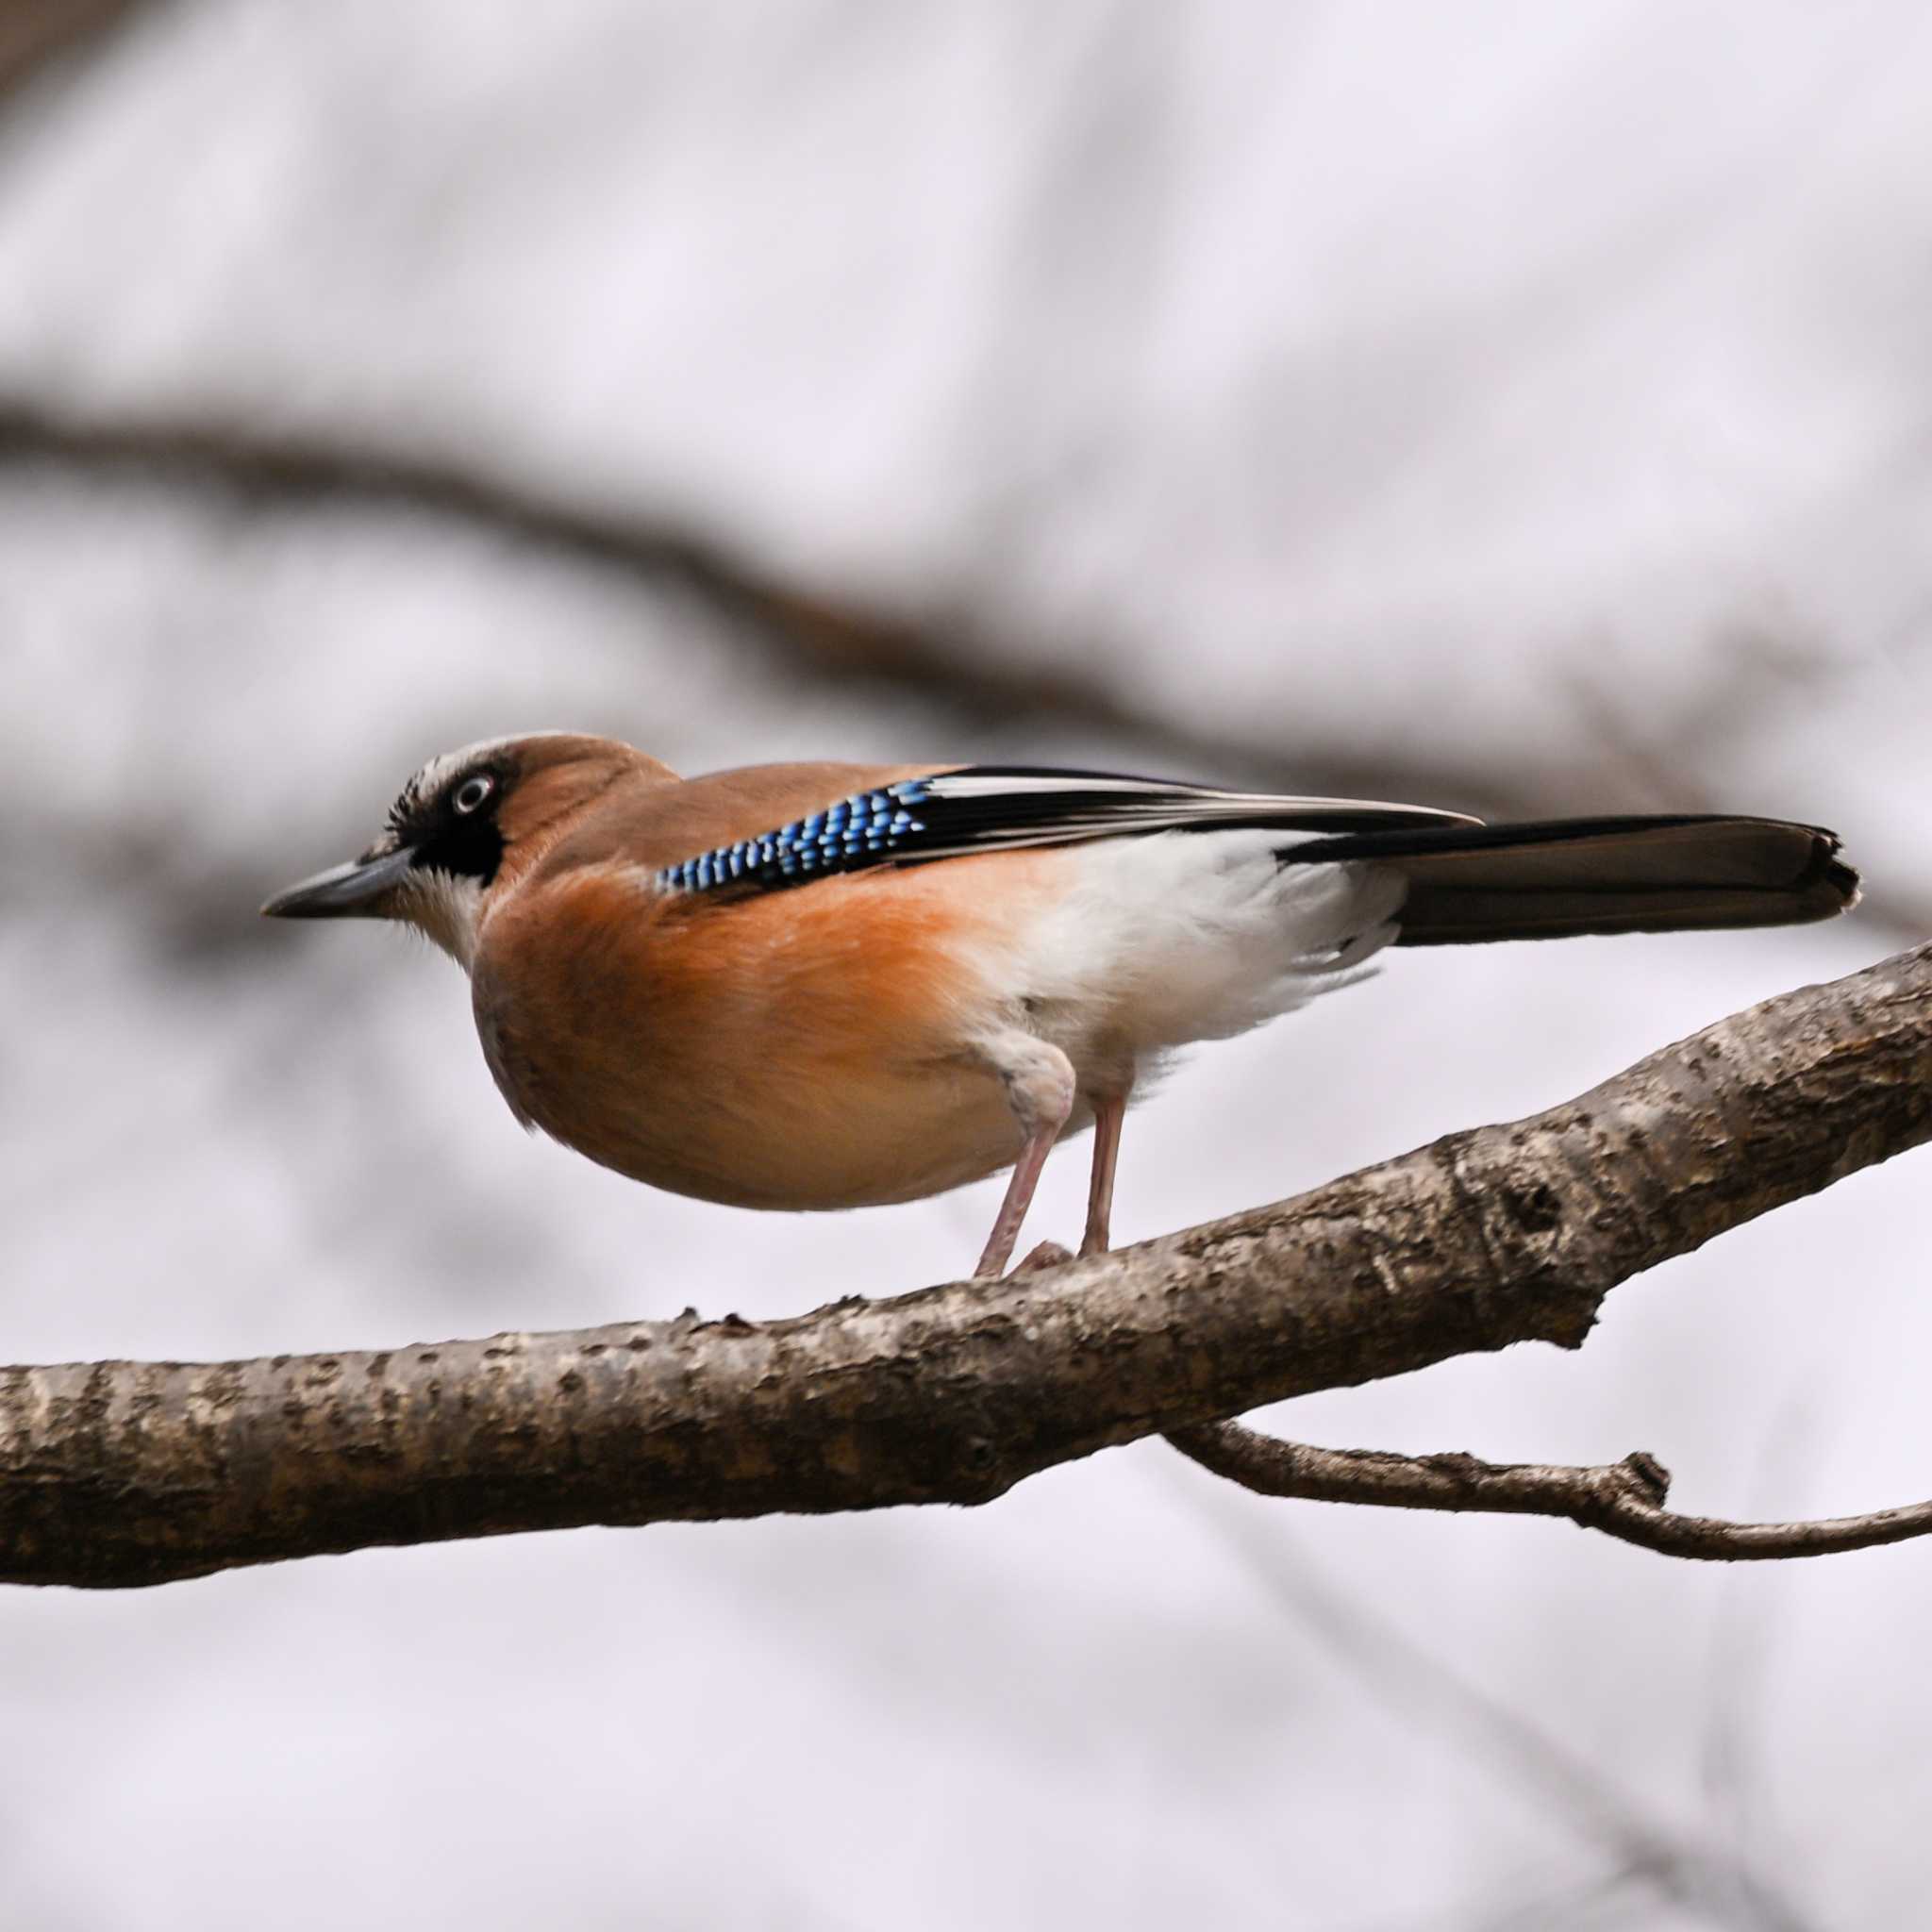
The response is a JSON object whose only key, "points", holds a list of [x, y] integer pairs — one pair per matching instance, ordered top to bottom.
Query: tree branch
{"points": [[133, 1473], [1623, 1499]]}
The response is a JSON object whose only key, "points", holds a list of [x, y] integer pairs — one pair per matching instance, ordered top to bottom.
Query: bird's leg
{"points": [[1038, 1079], [1108, 1111], [1026, 1177]]}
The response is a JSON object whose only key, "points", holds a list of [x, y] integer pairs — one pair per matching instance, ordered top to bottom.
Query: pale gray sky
{"points": [[1523, 381]]}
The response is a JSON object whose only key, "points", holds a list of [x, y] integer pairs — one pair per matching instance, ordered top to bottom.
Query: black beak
{"points": [[357, 890]]}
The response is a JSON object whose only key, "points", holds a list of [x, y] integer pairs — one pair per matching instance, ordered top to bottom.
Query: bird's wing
{"points": [[948, 814]]}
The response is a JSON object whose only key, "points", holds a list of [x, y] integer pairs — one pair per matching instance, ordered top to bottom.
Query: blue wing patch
{"points": [[859, 830]]}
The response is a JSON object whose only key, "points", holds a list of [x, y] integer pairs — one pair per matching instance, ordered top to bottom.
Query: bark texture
{"points": [[136, 1473]]}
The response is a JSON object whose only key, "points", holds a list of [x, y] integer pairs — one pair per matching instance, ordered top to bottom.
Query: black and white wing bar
{"points": [[993, 808]]}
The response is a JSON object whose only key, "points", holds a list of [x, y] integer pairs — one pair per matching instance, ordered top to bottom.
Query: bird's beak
{"points": [[358, 889]]}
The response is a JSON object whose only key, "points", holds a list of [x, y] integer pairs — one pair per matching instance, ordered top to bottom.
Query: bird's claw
{"points": [[1048, 1254]]}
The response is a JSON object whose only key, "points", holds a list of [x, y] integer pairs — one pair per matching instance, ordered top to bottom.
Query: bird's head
{"points": [[463, 825]]}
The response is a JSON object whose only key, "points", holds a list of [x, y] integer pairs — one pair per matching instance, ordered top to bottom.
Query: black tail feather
{"points": [[1564, 877]]}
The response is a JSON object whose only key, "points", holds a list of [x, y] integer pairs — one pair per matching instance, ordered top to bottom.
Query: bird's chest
{"points": [[758, 1066]]}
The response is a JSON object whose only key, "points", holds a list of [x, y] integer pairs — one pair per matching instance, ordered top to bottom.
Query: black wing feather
{"points": [[1001, 807]]}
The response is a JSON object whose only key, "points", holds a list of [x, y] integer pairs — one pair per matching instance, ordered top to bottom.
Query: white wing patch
{"points": [[1180, 937]]}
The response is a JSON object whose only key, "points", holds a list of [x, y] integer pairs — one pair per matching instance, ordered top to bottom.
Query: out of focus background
{"points": [[1527, 409]]}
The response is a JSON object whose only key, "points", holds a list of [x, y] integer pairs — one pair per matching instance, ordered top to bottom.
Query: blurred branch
{"points": [[36, 32], [828, 635], [839, 639], [134, 1472], [1623, 1499], [1649, 1851]]}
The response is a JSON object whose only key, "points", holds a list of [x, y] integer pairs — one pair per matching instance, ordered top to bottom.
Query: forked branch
{"points": [[134, 1472], [1623, 1499]]}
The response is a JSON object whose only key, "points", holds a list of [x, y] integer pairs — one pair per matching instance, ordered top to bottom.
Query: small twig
{"points": [[1623, 1499]]}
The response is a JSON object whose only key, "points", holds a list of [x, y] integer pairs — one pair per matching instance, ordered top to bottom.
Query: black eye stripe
{"points": [[453, 829], [468, 847]]}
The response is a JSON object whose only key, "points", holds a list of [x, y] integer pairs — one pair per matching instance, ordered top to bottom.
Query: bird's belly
{"points": [[755, 1138]]}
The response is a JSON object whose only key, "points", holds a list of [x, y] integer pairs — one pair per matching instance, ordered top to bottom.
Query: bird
{"points": [[829, 986]]}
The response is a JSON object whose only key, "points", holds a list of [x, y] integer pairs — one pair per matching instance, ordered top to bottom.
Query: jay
{"points": [[817, 986]]}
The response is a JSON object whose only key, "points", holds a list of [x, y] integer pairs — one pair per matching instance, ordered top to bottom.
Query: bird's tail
{"points": [[1563, 876]]}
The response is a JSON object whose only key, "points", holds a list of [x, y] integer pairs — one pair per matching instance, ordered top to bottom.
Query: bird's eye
{"points": [[472, 793]]}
